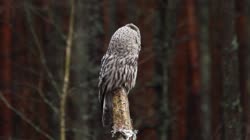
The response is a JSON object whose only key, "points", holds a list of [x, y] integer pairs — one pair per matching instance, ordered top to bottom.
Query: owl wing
{"points": [[105, 69], [131, 72], [104, 85]]}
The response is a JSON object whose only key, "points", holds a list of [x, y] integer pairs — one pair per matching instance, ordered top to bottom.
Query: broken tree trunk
{"points": [[122, 125]]}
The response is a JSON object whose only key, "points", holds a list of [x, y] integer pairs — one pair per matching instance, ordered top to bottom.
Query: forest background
{"points": [[193, 78]]}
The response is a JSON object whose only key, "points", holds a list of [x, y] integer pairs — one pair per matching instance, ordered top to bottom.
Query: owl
{"points": [[118, 67]]}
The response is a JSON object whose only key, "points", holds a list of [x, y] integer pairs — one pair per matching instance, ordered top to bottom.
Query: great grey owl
{"points": [[118, 67]]}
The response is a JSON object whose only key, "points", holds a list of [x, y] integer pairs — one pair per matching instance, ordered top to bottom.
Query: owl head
{"points": [[135, 28], [126, 39]]}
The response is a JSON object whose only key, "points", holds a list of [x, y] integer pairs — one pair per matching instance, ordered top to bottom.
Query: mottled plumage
{"points": [[118, 67]]}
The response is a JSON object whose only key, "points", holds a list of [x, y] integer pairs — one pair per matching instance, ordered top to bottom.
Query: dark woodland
{"points": [[193, 76]]}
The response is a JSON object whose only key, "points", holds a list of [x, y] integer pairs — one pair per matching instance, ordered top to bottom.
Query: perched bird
{"points": [[118, 67]]}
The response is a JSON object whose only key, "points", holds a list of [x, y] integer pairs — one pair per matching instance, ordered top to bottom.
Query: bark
{"points": [[122, 17], [106, 23], [215, 25], [39, 28], [242, 32], [163, 48], [205, 63], [23, 64], [6, 68], [248, 68], [162, 72], [80, 73], [187, 74], [179, 78], [178, 94], [231, 94], [144, 99], [45, 105], [194, 110], [121, 114], [43, 116], [122, 125]]}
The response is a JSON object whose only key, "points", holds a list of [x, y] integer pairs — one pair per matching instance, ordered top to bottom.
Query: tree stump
{"points": [[122, 126]]}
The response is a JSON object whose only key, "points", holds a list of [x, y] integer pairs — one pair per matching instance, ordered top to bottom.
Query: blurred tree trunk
{"points": [[122, 17], [106, 25], [215, 25], [242, 32], [187, 39], [164, 49], [205, 64], [6, 68], [248, 68], [161, 69], [79, 74], [187, 74], [82, 77], [179, 77], [194, 80], [22, 81], [27, 82], [40, 82], [33, 83], [225, 93], [231, 93], [25, 96], [141, 111]]}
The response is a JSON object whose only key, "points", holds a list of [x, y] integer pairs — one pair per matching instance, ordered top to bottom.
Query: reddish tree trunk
{"points": [[122, 12], [106, 23], [215, 25], [242, 33], [19, 58], [205, 65], [6, 68], [28, 69], [186, 74], [179, 77], [40, 82], [179, 92], [231, 93], [24, 101], [143, 101], [43, 110], [194, 110], [225, 113]]}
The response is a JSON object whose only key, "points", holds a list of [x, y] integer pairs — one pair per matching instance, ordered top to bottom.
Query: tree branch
{"points": [[40, 51], [66, 72], [41, 94], [122, 125], [37, 128]]}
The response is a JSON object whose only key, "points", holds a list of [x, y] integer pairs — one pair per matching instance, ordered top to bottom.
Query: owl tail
{"points": [[107, 115]]}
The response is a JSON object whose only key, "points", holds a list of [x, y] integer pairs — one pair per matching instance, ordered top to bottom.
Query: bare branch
{"points": [[50, 19], [41, 53], [66, 72], [41, 94], [48, 102], [22, 116]]}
